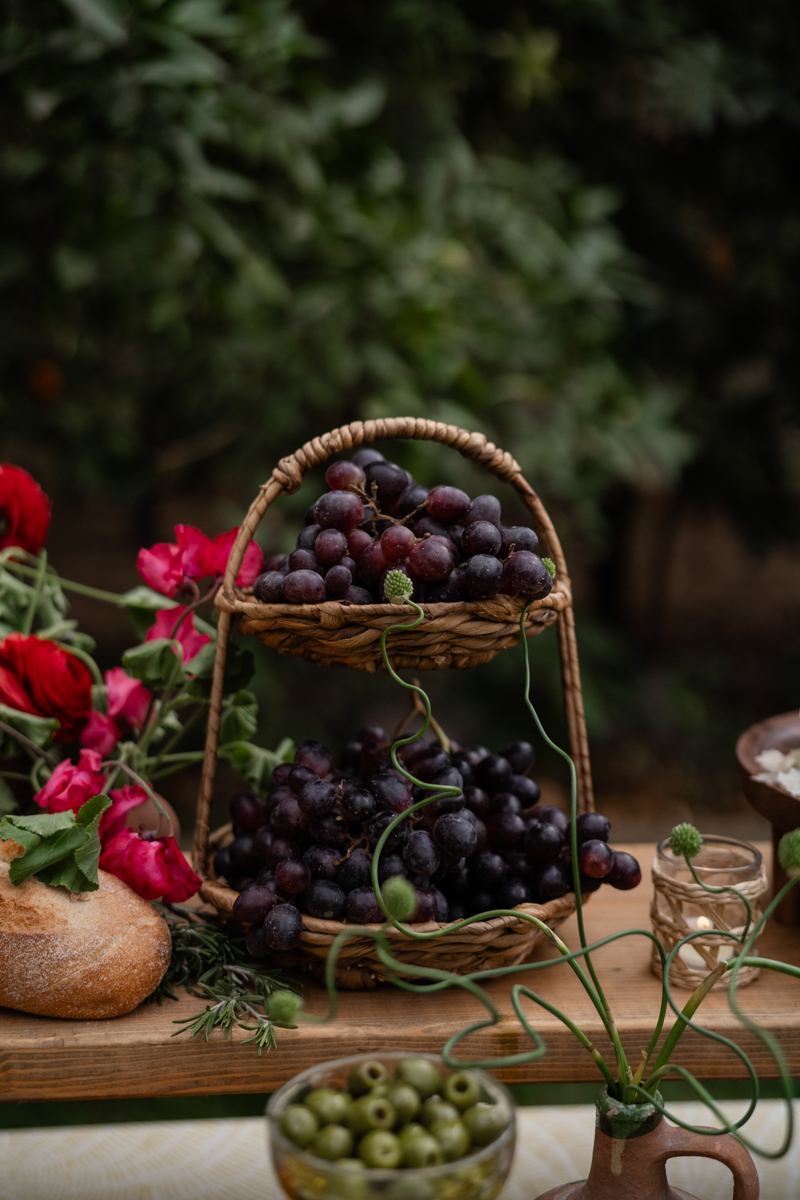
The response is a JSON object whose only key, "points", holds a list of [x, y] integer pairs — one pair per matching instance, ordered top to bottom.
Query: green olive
{"points": [[421, 1073], [364, 1076], [380, 1089], [460, 1089], [405, 1100], [328, 1106], [437, 1109], [371, 1112], [485, 1122], [298, 1124], [411, 1131], [453, 1137], [332, 1142], [379, 1148], [422, 1151], [349, 1186], [410, 1187]]}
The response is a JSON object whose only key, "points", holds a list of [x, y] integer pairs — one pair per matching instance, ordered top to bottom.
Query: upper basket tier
{"points": [[460, 634]]}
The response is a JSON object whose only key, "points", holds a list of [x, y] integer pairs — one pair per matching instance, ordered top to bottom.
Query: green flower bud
{"points": [[551, 567], [397, 587], [685, 841], [789, 853], [400, 897], [284, 1007]]}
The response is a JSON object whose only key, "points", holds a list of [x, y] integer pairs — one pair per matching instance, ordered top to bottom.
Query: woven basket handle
{"points": [[288, 476]]}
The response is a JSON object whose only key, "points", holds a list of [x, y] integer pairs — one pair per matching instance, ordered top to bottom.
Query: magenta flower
{"points": [[214, 558], [167, 567], [187, 634], [128, 699], [100, 733], [70, 786], [113, 820], [153, 866]]}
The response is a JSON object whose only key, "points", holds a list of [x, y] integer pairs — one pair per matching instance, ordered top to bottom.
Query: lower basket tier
{"points": [[349, 635], [500, 942]]}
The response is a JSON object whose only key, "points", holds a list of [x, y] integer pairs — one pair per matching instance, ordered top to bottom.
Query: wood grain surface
{"points": [[44, 1058]]}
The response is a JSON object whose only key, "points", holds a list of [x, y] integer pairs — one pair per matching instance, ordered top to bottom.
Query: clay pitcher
{"points": [[632, 1143]]}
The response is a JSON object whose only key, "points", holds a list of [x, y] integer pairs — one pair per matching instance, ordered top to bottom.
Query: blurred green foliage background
{"points": [[231, 224]]}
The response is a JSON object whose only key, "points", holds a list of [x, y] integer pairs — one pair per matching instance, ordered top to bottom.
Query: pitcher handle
{"points": [[725, 1148]]}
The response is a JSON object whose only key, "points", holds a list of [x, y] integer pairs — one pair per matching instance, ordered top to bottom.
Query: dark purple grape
{"points": [[366, 456], [344, 476], [391, 483], [410, 499], [447, 504], [483, 508], [339, 510], [308, 518], [427, 527], [481, 537], [521, 537], [306, 540], [357, 542], [396, 542], [330, 546], [304, 560], [432, 560], [276, 562], [349, 564], [372, 565], [526, 575], [483, 576], [303, 587], [268, 588], [358, 595], [373, 733], [313, 755], [520, 755], [351, 757], [428, 762], [461, 764], [493, 773], [280, 775], [299, 776], [447, 777], [525, 789], [392, 794], [274, 797], [318, 797], [477, 801], [504, 802], [359, 804], [447, 804], [248, 812], [549, 812], [287, 819], [592, 826], [329, 829], [505, 831], [454, 834], [481, 835], [396, 838], [543, 841], [262, 842], [280, 849], [420, 854], [243, 856], [595, 858], [322, 861], [222, 864], [390, 865], [519, 865], [490, 870], [354, 871], [625, 872], [292, 876], [266, 879], [459, 881], [549, 881], [587, 884], [241, 885], [512, 893], [325, 900], [478, 902], [254, 904], [426, 906], [362, 907], [442, 909], [457, 911], [283, 927], [255, 942]]}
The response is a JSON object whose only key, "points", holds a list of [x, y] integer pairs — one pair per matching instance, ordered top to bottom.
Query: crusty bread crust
{"points": [[87, 956]]}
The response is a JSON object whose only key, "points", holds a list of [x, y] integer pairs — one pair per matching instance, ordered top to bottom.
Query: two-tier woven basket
{"points": [[460, 635]]}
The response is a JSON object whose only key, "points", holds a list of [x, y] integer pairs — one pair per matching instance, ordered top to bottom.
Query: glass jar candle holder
{"points": [[680, 907]]}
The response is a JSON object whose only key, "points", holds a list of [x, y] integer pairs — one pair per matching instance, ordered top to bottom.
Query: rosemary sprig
{"points": [[211, 962]]}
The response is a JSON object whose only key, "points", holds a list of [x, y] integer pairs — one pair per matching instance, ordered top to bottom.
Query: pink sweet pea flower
{"points": [[215, 557], [167, 567], [189, 637], [128, 699], [100, 733], [70, 786], [123, 799], [153, 866]]}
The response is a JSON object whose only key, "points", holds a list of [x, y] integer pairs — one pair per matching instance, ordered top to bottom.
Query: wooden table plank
{"points": [[43, 1058]]}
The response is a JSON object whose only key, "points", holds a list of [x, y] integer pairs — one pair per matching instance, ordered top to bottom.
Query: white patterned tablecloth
{"points": [[227, 1159]]}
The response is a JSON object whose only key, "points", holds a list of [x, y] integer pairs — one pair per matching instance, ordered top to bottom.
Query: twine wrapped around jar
{"points": [[680, 907]]}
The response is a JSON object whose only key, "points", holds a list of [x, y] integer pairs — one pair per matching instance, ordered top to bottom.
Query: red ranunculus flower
{"points": [[24, 510], [166, 567], [187, 634], [38, 676], [70, 786], [153, 866]]}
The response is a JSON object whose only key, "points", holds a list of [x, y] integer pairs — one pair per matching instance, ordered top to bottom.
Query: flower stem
{"points": [[27, 624], [28, 744]]}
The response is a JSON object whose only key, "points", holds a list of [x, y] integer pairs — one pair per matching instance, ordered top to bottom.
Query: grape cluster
{"points": [[376, 518], [308, 847], [416, 1118]]}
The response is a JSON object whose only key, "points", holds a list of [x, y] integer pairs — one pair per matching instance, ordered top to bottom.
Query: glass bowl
{"points": [[479, 1175]]}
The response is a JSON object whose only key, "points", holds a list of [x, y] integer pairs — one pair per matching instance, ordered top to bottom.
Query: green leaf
{"points": [[100, 16], [145, 597], [154, 662], [240, 666], [239, 717], [38, 730], [254, 764], [8, 801], [89, 814], [42, 824], [23, 837], [60, 849], [50, 850], [87, 856], [67, 873]]}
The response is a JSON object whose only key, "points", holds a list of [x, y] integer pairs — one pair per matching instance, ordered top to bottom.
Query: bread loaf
{"points": [[85, 956]]}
